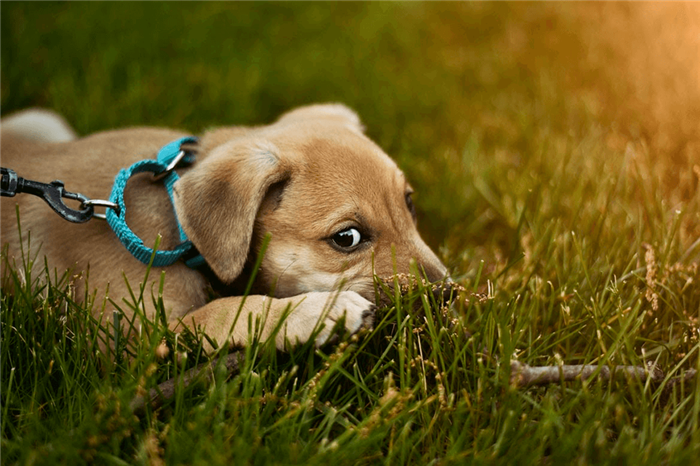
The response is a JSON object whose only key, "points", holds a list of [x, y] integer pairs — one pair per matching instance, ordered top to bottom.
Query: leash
{"points": [[163, 167]]}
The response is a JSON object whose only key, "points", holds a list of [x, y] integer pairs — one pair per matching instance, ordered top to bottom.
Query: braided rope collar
{"points": [[168, 158]]}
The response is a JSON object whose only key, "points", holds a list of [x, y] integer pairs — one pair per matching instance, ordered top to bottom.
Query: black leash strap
{"points": [[53, 193]]}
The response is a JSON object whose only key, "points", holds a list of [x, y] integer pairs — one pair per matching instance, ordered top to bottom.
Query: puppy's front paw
{"points": [[322, 310], [357, 311]]}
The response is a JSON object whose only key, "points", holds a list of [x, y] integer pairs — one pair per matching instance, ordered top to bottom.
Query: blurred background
{"points": [[483, 105]]}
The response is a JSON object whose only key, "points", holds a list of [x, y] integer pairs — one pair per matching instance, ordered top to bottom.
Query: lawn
{"points": [[555, 153]]}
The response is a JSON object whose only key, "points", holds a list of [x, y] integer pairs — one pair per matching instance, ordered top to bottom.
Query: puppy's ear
{"points": [[325, 112], [217, 201]]}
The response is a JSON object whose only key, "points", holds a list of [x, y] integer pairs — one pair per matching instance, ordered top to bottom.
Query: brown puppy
{"points": [[337, 208]]}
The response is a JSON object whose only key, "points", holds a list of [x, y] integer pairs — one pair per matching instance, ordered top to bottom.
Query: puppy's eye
{"points": [[411, 207], [347, 239]]}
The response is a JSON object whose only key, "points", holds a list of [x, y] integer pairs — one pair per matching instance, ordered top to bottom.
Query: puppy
{"points": [[336, 208]]}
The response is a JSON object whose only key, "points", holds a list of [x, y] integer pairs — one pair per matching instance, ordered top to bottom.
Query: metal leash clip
{"points": [[53, 193]]}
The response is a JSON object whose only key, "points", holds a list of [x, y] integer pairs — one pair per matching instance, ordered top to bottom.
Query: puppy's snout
{"points": [[429, 265], [435, 272]]}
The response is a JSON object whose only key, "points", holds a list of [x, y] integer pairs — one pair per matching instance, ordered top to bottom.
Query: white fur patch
{"points": [[38, 125], [321, 311]]}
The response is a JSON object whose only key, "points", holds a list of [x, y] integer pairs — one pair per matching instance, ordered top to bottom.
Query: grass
{"points": [[575, 213]]}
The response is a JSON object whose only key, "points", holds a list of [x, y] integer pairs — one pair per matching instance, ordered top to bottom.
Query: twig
{"points": [[523, 375], [166, 390]]}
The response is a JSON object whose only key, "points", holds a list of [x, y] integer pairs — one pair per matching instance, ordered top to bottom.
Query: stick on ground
{"points": [[523, 375], [166, 390]]}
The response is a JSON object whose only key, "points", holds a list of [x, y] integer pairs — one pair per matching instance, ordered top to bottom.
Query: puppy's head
{"points": [[338, 209]]}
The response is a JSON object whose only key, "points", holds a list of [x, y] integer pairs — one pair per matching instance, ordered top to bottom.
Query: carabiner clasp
{"points": [[53, 193]]}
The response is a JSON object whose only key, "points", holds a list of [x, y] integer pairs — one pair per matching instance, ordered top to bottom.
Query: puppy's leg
{"points": [[226, 319]]}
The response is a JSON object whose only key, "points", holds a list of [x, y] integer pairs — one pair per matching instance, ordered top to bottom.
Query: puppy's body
{"points": [[312, 180]]}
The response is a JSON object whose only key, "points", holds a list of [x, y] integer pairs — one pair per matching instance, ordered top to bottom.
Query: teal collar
{"points": [[163, 167]]}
